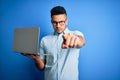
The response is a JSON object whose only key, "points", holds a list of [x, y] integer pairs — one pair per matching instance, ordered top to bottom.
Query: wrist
{"points": [[36, 60]]}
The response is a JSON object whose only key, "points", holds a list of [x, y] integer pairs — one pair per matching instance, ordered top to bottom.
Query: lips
{"points": [[58, 30]]}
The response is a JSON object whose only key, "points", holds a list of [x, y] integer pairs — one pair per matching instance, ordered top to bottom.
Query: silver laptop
{"points": [[26, 40]]}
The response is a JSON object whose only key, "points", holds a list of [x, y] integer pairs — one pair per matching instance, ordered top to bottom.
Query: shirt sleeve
{"points": [[78, 33], [42, 50]]}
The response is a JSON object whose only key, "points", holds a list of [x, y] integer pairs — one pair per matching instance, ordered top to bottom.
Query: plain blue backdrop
{"points": [[99, 20]]}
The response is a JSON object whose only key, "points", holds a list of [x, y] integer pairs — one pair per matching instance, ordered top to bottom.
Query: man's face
{"points": [[59, 22]]}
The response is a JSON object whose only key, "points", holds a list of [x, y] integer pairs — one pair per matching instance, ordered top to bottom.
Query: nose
{"points": [[57, 25]]}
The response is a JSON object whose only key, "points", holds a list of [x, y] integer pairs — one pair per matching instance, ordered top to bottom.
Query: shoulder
{"points": [[76, 32], [47, 38]]}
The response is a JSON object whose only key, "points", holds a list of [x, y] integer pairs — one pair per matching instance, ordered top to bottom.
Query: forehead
{"points": [[59, 17]]}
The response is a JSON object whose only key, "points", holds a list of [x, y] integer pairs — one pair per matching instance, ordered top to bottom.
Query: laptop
{"points": [[26, 40]]}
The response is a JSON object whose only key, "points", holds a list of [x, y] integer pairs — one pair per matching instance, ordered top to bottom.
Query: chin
{"points": [[59, 32]]}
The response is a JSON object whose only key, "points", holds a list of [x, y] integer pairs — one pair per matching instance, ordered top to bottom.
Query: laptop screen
{"points": [[26, 40]]}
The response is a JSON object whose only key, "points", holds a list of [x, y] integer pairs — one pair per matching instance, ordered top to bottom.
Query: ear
{"points": [[66, 21]]}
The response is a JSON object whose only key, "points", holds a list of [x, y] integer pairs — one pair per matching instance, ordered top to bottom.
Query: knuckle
{"points": [[70, 45]]}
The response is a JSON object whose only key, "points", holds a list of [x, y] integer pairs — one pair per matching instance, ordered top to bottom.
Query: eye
{"points": [[54, 22], [61, 22]]}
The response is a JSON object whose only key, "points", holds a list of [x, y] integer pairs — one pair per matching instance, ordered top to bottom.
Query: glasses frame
{"points": [[61, 23]]}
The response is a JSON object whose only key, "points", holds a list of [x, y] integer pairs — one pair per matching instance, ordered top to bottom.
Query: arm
{"points": [[80, 42], [40, 64]]}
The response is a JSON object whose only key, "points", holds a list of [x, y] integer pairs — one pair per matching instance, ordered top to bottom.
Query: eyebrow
{"points": [[60, 20]]}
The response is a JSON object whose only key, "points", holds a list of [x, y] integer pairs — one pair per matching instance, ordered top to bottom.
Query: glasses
{"points": [[55, 23]]}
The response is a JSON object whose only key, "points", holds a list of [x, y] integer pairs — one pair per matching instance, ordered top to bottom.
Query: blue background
{"points": [[99, 20]]}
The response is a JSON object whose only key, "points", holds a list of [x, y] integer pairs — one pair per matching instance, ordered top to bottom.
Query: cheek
{"points": [[54, 27], [63, 27]]}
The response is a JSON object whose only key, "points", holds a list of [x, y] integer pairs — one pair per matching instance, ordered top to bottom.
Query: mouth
{"points": [[58, 30]]}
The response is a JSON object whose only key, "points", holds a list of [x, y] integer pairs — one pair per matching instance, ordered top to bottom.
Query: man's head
{"points": [[59, 18]]}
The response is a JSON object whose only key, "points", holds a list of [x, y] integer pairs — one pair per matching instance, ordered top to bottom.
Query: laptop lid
{"points": [[26, 40]]}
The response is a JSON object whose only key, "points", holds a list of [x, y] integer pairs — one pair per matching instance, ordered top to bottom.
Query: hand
{"points": [[69, 40], [33, 56], [40, 64]]}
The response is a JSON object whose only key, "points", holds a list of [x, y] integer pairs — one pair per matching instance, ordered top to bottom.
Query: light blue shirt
{"points": [[61, 64]]}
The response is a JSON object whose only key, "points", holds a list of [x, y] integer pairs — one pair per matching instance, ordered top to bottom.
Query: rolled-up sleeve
{"points": [[78, 33], [42, 50]]}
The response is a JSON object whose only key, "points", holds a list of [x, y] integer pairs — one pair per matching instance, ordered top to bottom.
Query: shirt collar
{"points": [[64, 32]]}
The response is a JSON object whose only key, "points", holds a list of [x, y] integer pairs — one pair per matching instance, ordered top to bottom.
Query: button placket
{"points": [[59, 53]]}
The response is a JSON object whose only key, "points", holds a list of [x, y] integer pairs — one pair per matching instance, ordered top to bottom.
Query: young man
{"points": [[61, 49]]}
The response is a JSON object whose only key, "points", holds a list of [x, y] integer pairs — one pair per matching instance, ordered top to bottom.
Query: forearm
{"points": [[81, 41], [40, 64]]}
